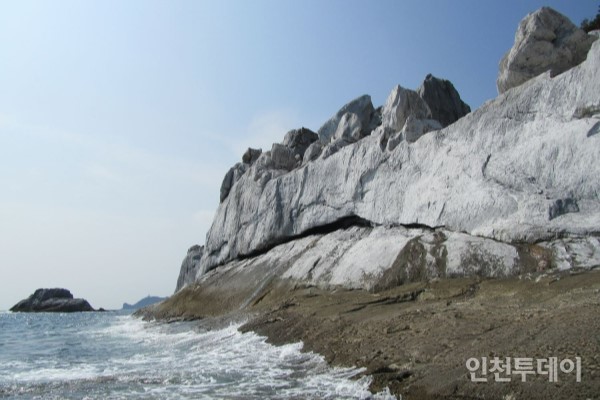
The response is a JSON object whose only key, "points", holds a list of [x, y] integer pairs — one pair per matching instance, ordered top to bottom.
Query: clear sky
{"points": [[119, 119]]}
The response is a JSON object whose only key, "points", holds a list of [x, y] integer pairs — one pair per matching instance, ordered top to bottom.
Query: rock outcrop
{"points": [[545, 41], [443, 100], [362, 107], [298, 140], [511, 187], [189, 266], [52, 300]]}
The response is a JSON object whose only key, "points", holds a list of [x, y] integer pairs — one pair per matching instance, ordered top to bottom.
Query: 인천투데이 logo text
{"points": [[503, 369]]}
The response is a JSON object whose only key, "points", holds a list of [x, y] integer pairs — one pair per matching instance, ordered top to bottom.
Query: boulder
{"points": [[546, 40], [443, 100], [400, 104], [361, 106], [349, 128], [298, 140], [313, 152], [251, 155], [283, 157], [189, 267], [52, 300]]}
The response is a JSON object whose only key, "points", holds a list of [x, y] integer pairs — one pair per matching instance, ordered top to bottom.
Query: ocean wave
{"points": [[126, 358]]}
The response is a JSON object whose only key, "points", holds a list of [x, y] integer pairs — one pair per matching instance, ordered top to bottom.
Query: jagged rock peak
{"points": [[546, 40], [443, 100], [402, 103], [361, 106], [405, 116], [189, 266]]}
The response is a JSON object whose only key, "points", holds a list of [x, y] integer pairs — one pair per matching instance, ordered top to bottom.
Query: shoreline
{"points": [[416, 338]]}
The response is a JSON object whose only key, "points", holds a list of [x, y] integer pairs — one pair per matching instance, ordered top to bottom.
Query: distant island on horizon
{"points": [[146, 301]]}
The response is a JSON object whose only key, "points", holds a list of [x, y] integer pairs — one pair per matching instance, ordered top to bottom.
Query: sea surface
{"points": [[116, 356]]}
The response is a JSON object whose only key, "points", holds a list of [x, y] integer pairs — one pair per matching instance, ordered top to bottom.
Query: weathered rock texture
{"points": [[545, 41], [427, 201], [52, 300]]}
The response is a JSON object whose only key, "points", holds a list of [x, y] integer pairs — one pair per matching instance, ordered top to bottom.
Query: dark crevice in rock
{"points": [[587, 112], [594, 130], [485, 164], [562, 206], [340, 224], [417, 225], [390, 300]]}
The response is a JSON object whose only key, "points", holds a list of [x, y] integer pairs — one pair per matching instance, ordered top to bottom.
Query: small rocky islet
{"points": [[411, 237], [53, 300]]}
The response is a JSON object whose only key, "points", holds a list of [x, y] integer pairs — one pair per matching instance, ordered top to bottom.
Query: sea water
{"points": [[116, 356]]}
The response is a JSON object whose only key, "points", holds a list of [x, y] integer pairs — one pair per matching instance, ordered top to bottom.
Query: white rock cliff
{"points": [[385, 196]]}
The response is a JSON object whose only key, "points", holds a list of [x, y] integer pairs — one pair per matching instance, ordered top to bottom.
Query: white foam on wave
{"points": [[131, 328], [175, 361], [226, 362], [61, 374]]}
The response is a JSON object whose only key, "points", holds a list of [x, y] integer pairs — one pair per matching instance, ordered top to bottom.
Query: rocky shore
{"points": [[418, 238], [415, 339]]}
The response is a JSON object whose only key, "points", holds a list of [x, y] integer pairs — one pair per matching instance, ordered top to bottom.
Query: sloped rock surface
{"points": [[545, 41], [381, 258], [52, 300]]}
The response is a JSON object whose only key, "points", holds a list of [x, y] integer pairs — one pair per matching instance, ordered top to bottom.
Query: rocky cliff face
{"points": [[417, 189]]}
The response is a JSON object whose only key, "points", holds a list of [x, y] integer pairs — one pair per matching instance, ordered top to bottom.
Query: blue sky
{"points": [[119, 119]]}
